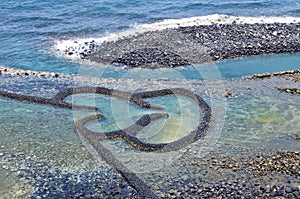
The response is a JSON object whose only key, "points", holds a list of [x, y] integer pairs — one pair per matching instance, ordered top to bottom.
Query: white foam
{"points": [[217, 19], [62, 45]]}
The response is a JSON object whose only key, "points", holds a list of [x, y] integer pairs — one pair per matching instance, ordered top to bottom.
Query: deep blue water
{"points": [[28, 28]]}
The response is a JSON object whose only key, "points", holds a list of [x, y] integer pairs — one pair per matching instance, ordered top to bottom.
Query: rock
{"points": [[151, 58], [228, 94]]}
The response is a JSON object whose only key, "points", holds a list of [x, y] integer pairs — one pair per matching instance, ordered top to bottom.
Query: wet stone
{"points": [[151, 58], [47, 181]]}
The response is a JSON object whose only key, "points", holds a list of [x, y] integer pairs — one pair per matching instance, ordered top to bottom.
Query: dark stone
{"points": [[151, 58], [263, 188], [296, 194]]}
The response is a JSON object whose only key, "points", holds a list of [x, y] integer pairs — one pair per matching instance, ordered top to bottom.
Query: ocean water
{"points": [[29, 29]]}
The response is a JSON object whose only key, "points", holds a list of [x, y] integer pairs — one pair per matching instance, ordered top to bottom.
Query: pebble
{"points": [[262, 164], [231, 191]]}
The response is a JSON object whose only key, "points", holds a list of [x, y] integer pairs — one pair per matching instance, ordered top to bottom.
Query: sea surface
{"points": [[29, 29]]}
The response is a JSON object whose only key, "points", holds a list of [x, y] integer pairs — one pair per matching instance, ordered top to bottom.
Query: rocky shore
{"points": [[195, 44], [258, 168]]}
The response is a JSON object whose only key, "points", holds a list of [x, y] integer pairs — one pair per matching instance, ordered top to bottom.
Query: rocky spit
{"points": [[195, 44], [27, 73], [292, 74], [289, 75], [289, 90]]}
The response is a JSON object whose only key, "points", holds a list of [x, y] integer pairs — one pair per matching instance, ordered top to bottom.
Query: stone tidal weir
{"points": [[94, 138], [232, 169]]}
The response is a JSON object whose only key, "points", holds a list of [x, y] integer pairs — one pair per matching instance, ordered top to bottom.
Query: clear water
{"points": [[222, 69], [183, 116], [260, 119], [32, 135]]}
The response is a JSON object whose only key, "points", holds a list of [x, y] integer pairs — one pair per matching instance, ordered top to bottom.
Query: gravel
{"points": [[251, 177]]}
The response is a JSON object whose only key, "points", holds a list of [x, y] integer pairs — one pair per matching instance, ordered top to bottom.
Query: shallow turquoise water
{"points": [[232, 68], [272, 119]]}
